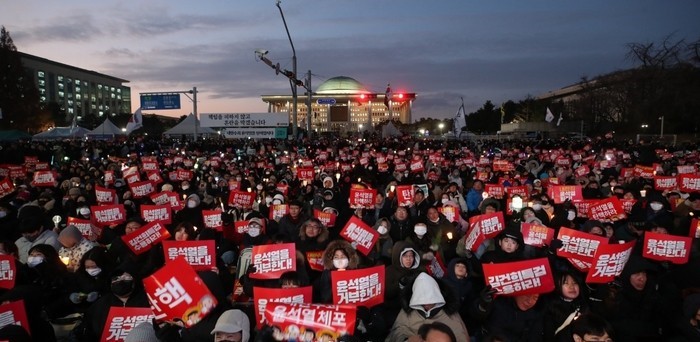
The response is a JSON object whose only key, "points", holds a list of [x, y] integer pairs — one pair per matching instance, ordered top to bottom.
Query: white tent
{"points": [[186, 127], [107, 130], [390, 130], [74, 132]]}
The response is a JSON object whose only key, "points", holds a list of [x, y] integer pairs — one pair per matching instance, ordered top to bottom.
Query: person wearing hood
{"points": [[474, 197], [654, 207], [192, 212], [313, 236], [73, 246], [509, 246], [382, 249], [339, 255], [405, 265], [464, 286], [426, 300], [517, 318], [232, 325]]}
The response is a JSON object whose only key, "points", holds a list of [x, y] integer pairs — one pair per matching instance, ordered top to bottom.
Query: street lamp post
{"points": [[294, 71], [441, 126], [662, 126]]}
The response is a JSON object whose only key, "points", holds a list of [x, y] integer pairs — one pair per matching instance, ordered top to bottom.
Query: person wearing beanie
{"points": [[166, 187], [192, 212], [73, 246], [509, 246], [232, 325], [143, 332]]}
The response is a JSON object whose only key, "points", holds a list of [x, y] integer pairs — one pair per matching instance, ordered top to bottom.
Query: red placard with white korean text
{"points": [[30, 161], [502, 165], [417, 166], [682, 169], [15, 171], [582, 171], [644, 171], [306, 174], [184, 175], [154, 176], [109, 177], [132, 178], [44, 179], [689, 182], [662, 183], [233, 185], [6, 187], [282, 188], [142, 189], [495, 190], [518, 190], [560, 193], [404, 195], [105, 196], [161, 198], [364, 198], [240, 199], [627, 205], [582, 207], [608, 208], [277, 211], [161, 213], [451, 213], [106, 215], [212, 219], [328, 219], [489, 224], [241, 227], [86, 228], [694, 231], [536, 235], [362, 236], [144, 238], [473, 238], [578, 244], [666, 247], [200, 254], [315, 260], [271, 261], [608, 262], [436, 267], [8, 272], [520, 277], [363, 287], [176, 292], [263, 295], [14, 313], [121, 320], [333, 321]]}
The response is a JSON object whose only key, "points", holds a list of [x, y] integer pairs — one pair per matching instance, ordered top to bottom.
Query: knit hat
{"points": [[166, 187], [71, 232], [233, 321], [143, 332]]}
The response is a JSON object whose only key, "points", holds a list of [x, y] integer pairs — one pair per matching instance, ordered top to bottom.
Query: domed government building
{"points": [[343, 104]]}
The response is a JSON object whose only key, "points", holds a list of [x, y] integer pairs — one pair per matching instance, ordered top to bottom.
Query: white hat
{"points": [[279, 197], [233, 321]]}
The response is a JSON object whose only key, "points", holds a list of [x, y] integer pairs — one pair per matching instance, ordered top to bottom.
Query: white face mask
{"points": [[185, 187], [259, 187], [444, 200], [191, 204], [655, 206], [537, 207], [84, 211], [3, 214], [571, 216], [382, 229], [420, 230], [254, 232], [32, 261], [341, 264], [93, 272]]}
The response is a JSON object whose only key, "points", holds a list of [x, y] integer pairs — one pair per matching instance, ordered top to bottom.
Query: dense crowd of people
{"points": [[69, 279]]}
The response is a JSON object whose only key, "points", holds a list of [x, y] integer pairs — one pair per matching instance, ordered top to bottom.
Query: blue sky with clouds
{"points": [[442, 50]]}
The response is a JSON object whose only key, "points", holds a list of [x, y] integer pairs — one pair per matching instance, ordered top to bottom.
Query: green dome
{"points": [[340, 85]]}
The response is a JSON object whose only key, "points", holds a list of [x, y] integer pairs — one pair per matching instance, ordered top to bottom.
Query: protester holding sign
{"points": [[339, 255], [405, 264]]}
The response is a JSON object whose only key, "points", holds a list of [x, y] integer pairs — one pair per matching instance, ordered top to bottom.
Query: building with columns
{"points": [[343, 104]]}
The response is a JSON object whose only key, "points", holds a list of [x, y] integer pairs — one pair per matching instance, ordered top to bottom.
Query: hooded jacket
{"points": [[396, 271], [322, 285], [422, 291]]}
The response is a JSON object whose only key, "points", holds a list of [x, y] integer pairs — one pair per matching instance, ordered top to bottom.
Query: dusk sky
{"points": [[441, 50]]}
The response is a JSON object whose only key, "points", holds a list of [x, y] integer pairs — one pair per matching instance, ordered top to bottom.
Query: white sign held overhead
{"points": [[244, 120], [255, 133]]}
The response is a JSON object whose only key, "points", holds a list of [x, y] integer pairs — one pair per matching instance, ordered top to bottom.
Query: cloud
{"points": [[76, 28]]}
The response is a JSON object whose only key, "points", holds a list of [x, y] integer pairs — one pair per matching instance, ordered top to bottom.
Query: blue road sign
{"points": [[160, 101], [326, 101]]}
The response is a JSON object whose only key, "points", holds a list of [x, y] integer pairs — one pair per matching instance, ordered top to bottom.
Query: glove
{"points": [[226, 218], [555, 244], [429, 256], [251, 269], [92, 296], [486, 296], [76, 298], [166, 331]]}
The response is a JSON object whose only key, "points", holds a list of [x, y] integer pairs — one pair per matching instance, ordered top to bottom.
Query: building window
{"points": [[40, 74], [59, 78], [69, 80], [42, 83], [77, 83], [60, 86], [99, 86], [77, 89], [61, 94], [78, 97], [93, 107], [70, 110], [101, 113]]}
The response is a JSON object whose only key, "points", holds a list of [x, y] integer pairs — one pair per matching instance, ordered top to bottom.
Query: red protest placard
{"points": [[150, 165], [502, 165], [417, 166], [686, 169], [16, 171], [582, 171], [644, 171], [306, 174], [184, 175], [154, 176], [109, 177], [132, 178], [44, 179], [689, 182], [662, 183], [6, 187], [142, 189], [495, 190], [517, 190], [561, 193], [404, 195], [105, 196], [161, 197], [362, 198], [240, 199], [627, 205], [582, 207], [608, 208], [277, 211], [151, 213], [451, 213], [106, 215], [212, 219], [328, 219], [489, 224], [86, 228], [694, 231], [536, 235], [362, 236], [144, 238], [473, 238], [578, 244], [665, 247], [200, 254], [315, 260], [271, 261], [608, 262], [580, 265], [436, 267], [8, 272], [520, 277], [364, 287], [176, 292], [262, 296], [14, 313], [121, 320], [327, 322]]}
